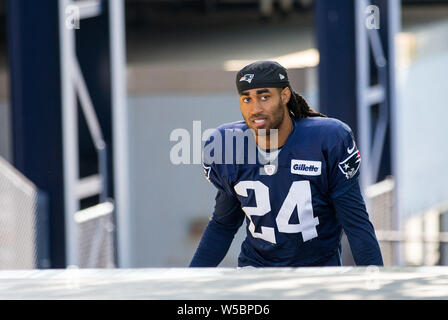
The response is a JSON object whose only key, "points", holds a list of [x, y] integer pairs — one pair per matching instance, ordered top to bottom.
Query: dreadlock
{"points": [[299, 108]]}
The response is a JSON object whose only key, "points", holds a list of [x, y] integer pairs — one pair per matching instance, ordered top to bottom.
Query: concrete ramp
{"points": [[342, 283]]}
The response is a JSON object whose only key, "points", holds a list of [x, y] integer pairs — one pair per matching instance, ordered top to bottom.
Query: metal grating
{"points": [[380, 205], [18, 207], [96, 242]]}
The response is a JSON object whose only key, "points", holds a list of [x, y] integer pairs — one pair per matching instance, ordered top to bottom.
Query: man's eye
{"points": [[264, 98], [246, 100]]}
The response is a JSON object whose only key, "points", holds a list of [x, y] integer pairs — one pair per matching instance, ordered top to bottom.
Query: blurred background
{"points": [[91, 91]]}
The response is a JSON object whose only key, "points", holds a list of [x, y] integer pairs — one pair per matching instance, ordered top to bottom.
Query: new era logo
{"points": [[281, 76], [306, 167]]}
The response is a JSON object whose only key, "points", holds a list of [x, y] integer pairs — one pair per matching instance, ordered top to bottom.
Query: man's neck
{"points": [[276, 138]]}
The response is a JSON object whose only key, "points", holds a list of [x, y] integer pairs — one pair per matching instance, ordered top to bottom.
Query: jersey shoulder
{"points": [[236, 125], [330, 125], [220, 131], [328, 131], [220, 144]]}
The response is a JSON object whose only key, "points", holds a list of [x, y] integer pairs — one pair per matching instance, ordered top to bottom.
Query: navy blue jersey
{"points": [[296, 205]]}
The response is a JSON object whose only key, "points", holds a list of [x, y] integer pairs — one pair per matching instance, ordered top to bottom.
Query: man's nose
{"points": [[256, 106]]}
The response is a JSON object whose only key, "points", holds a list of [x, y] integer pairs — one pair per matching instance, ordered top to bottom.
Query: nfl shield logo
{"points": [[269, 169]]}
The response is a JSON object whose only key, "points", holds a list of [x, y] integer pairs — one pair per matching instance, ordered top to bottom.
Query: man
{"points": [[297, 208]]}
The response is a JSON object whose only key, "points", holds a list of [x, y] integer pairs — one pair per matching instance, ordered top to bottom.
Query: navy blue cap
{"points": [[262, 74]]}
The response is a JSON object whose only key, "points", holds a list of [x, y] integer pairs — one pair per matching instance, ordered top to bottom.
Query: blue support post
{"points": [[33, 50]]}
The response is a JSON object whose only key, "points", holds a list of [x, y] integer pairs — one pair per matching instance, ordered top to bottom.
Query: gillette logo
{"points": [[306, 167]]}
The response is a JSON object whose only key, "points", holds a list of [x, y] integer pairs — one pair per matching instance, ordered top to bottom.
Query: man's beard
{"points": [[277, 119]]}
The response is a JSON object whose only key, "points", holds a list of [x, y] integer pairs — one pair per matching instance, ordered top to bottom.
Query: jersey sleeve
{"points": [[344, 161], [212, 162], [212, 176], [352, 214], [227, 216]]}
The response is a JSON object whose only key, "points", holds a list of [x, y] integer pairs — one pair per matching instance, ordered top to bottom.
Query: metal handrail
{"points": [[93, 126]]}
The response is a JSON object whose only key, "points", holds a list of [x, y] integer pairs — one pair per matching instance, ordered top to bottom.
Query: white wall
{"points": [[422, 146], [166, 198]]}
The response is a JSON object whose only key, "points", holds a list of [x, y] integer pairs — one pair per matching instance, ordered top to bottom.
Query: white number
{"points": [[299, 196], [262, 207]]}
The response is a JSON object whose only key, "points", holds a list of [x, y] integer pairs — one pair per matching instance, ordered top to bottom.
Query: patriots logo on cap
{"points": [[247, 77], [350, 165]]}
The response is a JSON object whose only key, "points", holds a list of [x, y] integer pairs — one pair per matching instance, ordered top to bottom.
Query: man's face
{"points": [[264, 108]]}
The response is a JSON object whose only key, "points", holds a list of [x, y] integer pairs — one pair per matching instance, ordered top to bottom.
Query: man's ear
{"points": [[285, 95]]}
